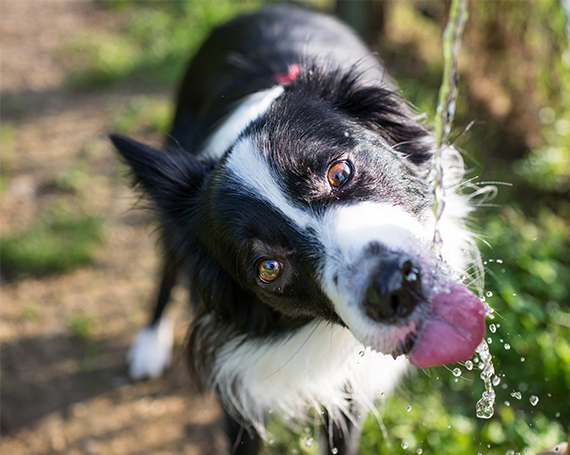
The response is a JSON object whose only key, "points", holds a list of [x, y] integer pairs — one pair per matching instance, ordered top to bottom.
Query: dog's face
{"points": [[320, 209]]}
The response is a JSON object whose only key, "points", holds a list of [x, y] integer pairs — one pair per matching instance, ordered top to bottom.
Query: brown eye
{"points": [[339, 173], [269, 269]]}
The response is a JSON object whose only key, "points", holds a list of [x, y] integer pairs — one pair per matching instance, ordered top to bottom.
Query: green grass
{"points": [[156, 45], [153, 112], [7, 139], [58, 242]]}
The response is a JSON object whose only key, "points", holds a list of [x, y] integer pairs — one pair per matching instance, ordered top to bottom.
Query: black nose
{"points": [[394, 291]]}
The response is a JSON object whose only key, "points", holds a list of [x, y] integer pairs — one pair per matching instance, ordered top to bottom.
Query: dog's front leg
{"points": [[341, 438], [242, 441]]}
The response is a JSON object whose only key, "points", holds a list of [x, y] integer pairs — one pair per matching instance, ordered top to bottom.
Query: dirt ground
{"points": [[63, 393]]}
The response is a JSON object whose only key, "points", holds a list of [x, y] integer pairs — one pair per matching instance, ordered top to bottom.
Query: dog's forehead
{"points": [[248, 171]]}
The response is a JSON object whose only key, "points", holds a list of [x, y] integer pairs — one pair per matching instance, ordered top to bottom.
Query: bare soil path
{"points": [[64, 390]]}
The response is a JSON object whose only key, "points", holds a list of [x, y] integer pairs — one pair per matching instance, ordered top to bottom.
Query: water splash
{"points": [[446, 106], [443, 119], [486, 405]]}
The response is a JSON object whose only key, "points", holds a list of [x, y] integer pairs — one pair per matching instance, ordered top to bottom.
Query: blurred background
{"points": [[79, 264]]}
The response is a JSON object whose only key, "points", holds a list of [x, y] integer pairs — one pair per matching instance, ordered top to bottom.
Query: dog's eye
{"points": [[339, 173], [268, 270]]}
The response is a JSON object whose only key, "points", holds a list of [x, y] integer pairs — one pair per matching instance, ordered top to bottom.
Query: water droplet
{"points": [[499, 261], [489, 294], [492, 328], [489, 340], [507, 346], [361, 353], [469, 365], [496, 380], [516, 395], [533, 400], [507, 403], [408, 408], [557, 415], [309, 442], [404, 445], [334, 450], [419, 451], [510, 452]]}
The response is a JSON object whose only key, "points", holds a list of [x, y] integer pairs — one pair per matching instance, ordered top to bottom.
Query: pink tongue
{"points": [[453, 332]]}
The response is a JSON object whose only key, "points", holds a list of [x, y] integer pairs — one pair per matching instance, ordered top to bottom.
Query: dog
{"points": [[294, 196]]}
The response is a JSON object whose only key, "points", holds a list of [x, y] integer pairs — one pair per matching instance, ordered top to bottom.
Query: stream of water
{"points": [[443, 120]]}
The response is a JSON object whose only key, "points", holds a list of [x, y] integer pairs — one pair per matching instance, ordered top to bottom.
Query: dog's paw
{"points": [[151, 351]]}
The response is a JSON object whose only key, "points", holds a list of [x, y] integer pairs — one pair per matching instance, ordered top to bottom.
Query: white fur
{"points": [[249, 109], [151, 351], [310, 367]]}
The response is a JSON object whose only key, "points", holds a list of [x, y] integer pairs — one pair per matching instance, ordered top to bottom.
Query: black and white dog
{"points": [[295, 198]]}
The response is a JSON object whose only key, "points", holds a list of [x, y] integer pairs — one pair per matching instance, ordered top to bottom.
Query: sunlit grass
{"points": [[156, 46], [58, 242]]}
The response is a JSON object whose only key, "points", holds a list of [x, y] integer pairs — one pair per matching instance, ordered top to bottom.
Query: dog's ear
{"points": [[167, 177]]}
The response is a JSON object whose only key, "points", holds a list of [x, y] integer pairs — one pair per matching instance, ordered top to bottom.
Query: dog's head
{"points": [[321, 208]]}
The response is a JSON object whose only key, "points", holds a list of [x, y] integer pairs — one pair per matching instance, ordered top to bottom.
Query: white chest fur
{"points": [[320, 365]]}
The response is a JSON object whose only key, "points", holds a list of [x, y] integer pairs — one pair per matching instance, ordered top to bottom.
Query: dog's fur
{"points": [[269, 104]]}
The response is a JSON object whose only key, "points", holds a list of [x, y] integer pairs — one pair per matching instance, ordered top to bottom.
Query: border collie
{"points": [[294, 195]]}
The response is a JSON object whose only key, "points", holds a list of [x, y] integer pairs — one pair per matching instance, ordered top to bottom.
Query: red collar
{"points": [[286, 77]]}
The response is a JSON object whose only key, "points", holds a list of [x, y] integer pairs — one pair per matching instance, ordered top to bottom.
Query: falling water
{"points": [[446, 106], [443, 120], [485, 406]]}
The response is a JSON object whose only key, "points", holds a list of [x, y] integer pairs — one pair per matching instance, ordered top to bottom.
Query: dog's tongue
{"points": [[454, 330]]}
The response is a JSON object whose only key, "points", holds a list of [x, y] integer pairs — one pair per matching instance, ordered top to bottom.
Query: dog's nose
{"points": [[394, 292]]}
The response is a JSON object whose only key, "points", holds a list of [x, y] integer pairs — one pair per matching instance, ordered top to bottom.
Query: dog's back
{"points": [[247, 54]]}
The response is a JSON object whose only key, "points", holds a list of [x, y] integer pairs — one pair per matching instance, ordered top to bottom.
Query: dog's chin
{"points": [[446, 329]]}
